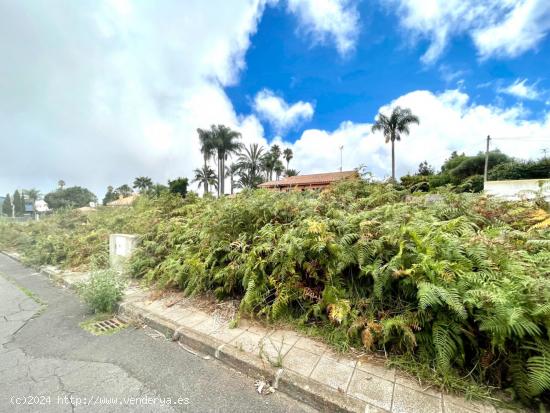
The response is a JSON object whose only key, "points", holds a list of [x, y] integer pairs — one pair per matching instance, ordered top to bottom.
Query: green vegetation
{"points": [[465, 173], [72, 197], [7, 206], [456, 287], [103, 290]]}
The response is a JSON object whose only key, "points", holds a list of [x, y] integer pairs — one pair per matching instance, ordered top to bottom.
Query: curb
{"points": [[316, 395]]}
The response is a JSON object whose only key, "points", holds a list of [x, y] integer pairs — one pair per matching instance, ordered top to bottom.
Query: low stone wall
{"points": [[516, 189], [121, 247]]}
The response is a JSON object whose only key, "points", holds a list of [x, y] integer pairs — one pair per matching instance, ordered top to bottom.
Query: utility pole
{"points": [[341, 149], [486, 159]]}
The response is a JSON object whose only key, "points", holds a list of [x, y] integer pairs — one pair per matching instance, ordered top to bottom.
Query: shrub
{"points": [[457, 282], [461, 282], [102, 291]]}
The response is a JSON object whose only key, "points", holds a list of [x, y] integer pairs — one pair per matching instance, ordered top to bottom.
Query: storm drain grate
{"points": [[105, 326]]}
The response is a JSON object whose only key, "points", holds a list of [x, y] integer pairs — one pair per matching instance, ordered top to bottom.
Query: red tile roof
{"points": [[313, 179]]}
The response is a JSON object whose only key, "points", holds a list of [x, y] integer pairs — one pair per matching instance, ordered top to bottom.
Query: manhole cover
{"points": [[107, 325], [104, 326]]}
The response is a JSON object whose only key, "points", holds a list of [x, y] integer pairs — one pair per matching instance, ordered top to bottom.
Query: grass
{"points": [[28, 293]]}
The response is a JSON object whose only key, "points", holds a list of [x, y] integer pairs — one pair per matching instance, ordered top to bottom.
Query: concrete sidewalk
{"points": [[293, 363], [303, 367]]}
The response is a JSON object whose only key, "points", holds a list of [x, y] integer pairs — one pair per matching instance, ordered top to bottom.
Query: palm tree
{"points": [[393, 127], [224, 141], [207, 149], [275, 151], [288, 155], [250, 163], [268, 163], [278, 168], [230, 172], [291, 172], [205, 176], [143, 183], [61, 184], [124, 190], [32, 194]]}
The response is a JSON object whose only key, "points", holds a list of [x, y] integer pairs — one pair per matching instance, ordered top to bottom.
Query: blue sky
{"points": [[381, 67], [123, 94]]}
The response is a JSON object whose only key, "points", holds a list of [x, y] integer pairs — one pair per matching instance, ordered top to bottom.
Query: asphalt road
{"points": [[49, 364]]}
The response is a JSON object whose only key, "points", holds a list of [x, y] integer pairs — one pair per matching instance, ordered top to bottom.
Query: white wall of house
{"points": [[517, 189]]}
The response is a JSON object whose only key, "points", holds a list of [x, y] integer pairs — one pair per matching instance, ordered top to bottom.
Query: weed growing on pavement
{"points": [[102, 291]]}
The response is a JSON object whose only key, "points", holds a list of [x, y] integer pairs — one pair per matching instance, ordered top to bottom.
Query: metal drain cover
{"points": [[106, 326]]}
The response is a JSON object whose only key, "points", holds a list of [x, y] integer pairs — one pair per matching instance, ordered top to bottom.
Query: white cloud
{"points": [[337, 20], [498, 28], [522, 29], [521, 89], [121, 96], [279, 113], [448, 122]]}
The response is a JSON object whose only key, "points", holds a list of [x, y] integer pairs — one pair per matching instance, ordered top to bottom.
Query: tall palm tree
{"points": [[393, 127], [225, 143], [207, 149], [275, 151], [288, 155], [250, 163], [268, 163], [278, 168], [231, 172], [205, 176], [143, 183], [32, 194]]}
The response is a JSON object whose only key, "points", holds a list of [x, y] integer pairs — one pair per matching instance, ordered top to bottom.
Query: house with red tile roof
{"points": [[313, 181]]}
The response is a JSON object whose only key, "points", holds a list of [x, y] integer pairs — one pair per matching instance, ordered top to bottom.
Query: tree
{"points": [[393, 127], [225, 144], [207, 149], [275, 152], [288, 155], [250, 164], [268, 164], [278, 168], [424, 169], [231, 172], [291, 172], [205, 176], [143, 183], [61, 184], [178, 186], [124, 190], [157, 190], [32, 194], [110, 196], [72, 197], [18, 203], [7, 207]]}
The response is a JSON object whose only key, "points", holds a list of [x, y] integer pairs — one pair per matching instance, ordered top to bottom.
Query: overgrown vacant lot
{"points": [[456, 288]]}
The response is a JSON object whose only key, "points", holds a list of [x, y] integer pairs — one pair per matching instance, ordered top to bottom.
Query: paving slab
{"points": [[301, 361], [376, 368], [333, 374], [371, 389], [407, 400]]}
